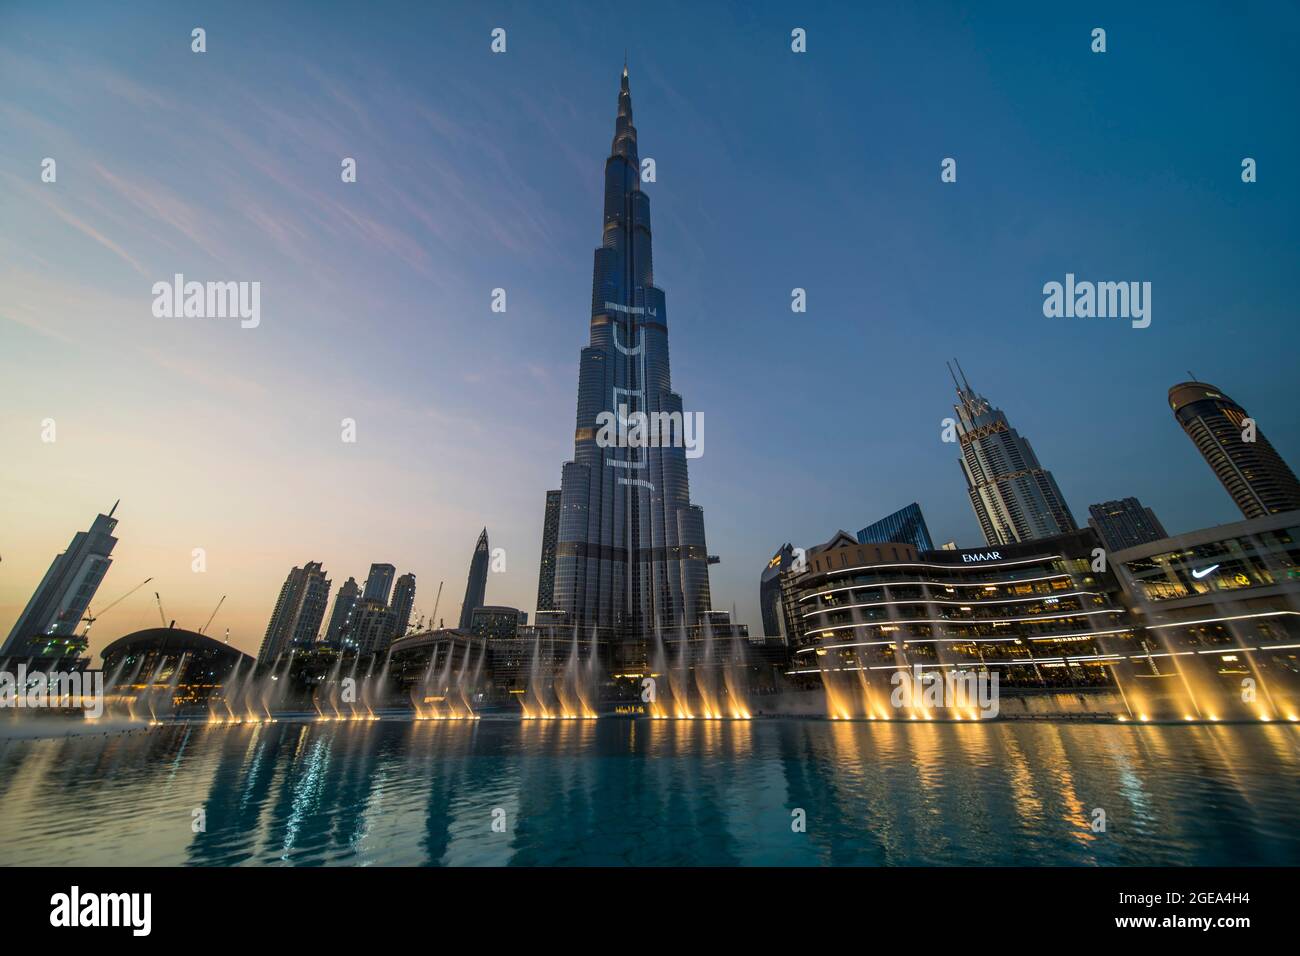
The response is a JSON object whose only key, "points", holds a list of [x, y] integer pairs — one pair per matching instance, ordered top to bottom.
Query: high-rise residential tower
{"points": [[1252, 471], [1014, 497], [1124, 524], [904, 526], [631, 554], [546, 568], [379, 582], [476, 586], [403, 602], [298, 613], [344, 614], [48, 625], [373, 630]]}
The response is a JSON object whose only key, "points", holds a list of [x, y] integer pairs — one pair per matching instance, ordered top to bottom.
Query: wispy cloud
{"points": [[47, 197]]}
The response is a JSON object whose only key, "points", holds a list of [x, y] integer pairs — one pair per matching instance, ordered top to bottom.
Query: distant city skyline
{"points": [[475, 172]]}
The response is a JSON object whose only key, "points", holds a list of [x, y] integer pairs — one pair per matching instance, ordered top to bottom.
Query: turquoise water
{"points": [[644, 792]]}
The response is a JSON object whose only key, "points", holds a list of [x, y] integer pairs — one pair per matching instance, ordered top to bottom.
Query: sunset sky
{"points": [[775, 170]]}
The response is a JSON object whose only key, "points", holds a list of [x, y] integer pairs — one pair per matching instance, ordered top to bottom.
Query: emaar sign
{"points": [[982, 556]]}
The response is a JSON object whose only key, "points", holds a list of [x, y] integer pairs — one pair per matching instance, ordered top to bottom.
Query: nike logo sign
{"points": [[1200, 574]]}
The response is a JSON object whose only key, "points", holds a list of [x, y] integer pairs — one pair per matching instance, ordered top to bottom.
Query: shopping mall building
{"points": [[1037, 612], [1170, 618]]}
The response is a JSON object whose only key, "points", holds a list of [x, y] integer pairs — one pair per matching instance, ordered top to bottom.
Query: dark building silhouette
{"points": [[1260, 482], [1124, 524], [905, 526], [550, 537], [631, 554], [379, 582], [476, 586], [769, 592], [403, 602], [298, 613], [343, 615], [495, 622], [48, 625], [204, 662]]}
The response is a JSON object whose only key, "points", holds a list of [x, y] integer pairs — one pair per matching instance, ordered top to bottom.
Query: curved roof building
{"points": [[1252, 471], [141, 652]]}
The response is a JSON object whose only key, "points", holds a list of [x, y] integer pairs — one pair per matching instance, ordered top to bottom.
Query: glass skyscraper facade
{"points": [[1259, 480], [1014, 497], [905, 526], [631, 554], [379, 582], [48, 625]]}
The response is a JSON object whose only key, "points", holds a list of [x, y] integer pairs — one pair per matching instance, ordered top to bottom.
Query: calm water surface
{"points": [[655, 793]]}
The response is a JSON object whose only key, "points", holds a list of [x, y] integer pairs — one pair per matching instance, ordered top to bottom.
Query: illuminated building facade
{"points": [[1015, 498], [550, 540], [631, 555], [1225, 598], [1037, 612], [341, 618], [495, 622], [190, 666]]}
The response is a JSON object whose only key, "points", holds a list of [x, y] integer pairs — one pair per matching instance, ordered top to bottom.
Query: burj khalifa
{"points": [[631, 554]]}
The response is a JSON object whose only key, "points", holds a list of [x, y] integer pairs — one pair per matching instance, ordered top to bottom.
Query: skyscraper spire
{"points": [[624, 132], [1015, 498], [631, 551]]}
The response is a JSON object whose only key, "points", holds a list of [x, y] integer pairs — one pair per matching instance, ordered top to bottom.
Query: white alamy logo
{"points": [[208, 300], [1098, 300], [651, 430], [36, 689], [956, 689], [72, 909]]}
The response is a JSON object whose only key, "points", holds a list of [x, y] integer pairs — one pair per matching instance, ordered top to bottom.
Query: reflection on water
{"points": [[655, 793]]}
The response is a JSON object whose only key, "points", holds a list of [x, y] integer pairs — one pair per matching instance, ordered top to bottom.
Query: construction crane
{"points": [[214, 614], [434, 616], [92, 618]]}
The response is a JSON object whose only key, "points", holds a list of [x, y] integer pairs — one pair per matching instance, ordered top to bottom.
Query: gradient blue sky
{"points": [[476, 170]]}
